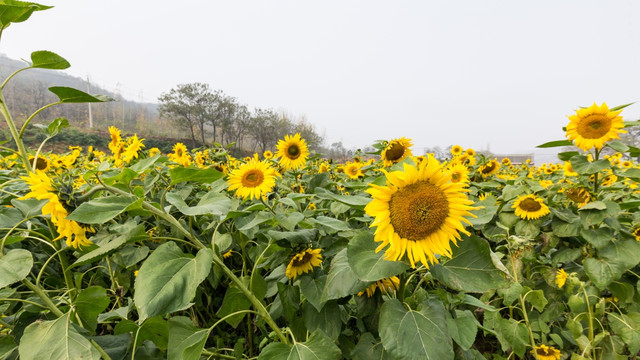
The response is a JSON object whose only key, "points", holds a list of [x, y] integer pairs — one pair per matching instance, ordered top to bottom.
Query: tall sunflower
{"points": [[594, 126], [292, 151], [396, 151], [253, 179], [530, 207], [418, 212], [303, 262]]}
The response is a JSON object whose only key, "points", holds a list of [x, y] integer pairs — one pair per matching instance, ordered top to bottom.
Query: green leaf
{"points": [[12, 11], [44, 59], [71, 95], [620, 107], [56, 126], [556, 143], [618, 146], [567, 155], [144, 164], [582, 165], [632, 173], [204, 176], [358, 202], [213, 203], [594, 205], [103, 209], [485, 213], [289, 221], [332, 225], [528, 229], [566, 229], [597, 237], [115, 242], [613, 260], [368, 264], [15, 265], [471, 268], [168, 279], [341, 281], [312, 288], [535, 298], [234, 300], [89, 304], [328, 319], [463, 328], [628, 328], [155, 329], [512, 334], [409, 335], [57, 339], [186, 341], [7, 346], [115, 346], [318, 347], [368, 348]]}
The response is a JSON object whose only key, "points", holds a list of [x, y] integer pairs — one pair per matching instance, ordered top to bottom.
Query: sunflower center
{"points": [[594, 126], [293, 151], [394, 152], [41, 164], [488, 168], [353, 171], [455, 177], [252, 178], [578, 195], [530, 205], [418, 210], [300, 260]]}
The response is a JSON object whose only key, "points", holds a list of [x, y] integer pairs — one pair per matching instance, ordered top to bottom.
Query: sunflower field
{"points": [[134, 254]]}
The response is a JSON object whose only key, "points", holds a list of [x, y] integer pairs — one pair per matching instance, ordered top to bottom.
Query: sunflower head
{"points": [[594, 126], [456, 150], [292, 151], [396, 151], [267, 154], [490, 168], [353, 170], [459, 173], [253, 179], [579, 195], [530, 207], [419, 212], [636, 233], [303, 262], [561, 278], [386, 286], [545, 352]]}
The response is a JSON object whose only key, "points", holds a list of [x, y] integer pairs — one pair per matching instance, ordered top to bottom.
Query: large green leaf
{"points": [[12, 11], [44, 59], [72, 96], [555, 143], [582, 165], [205, 176], [213, 203], [103, 209], [331, 225], [111, 243], [612, 261], [368, 264], [15, 265], [471, 268], [168, 279], [341, 281], [312, 288], [89, 304], [328, 319], [627, 326], [463, 328], [155, 329], [409, 334], [511, 334], [57, 339], [186, 341], [115, 346], [318, 347], [368, 348]]}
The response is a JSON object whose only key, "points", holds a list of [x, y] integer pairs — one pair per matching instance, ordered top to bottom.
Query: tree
{"points": [[188, 106], [263, 128]]}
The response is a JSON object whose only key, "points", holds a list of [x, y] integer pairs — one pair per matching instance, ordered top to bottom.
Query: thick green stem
{"points": [[26, 123], [14, 132], [64, 263], [43, 296], [590, 311], [104, 355]]}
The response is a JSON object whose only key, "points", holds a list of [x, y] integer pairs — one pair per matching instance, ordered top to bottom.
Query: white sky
{"points": [[503, 74]]}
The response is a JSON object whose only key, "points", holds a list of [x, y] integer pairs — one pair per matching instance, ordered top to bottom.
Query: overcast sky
{"points": [[498, 74]]}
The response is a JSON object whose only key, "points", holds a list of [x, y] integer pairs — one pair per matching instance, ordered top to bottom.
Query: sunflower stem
{"points": [[14, 133], [402, 286], [524, 309]]}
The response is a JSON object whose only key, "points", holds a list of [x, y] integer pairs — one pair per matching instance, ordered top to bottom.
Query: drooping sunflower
{"points": [[594, 126], [292, 151], [396, 151], [490, 168], [253, 179], [579, 195], [530, 207], [418, 212], [303, 262], [561, 278], [386, 286], [545, 352]]}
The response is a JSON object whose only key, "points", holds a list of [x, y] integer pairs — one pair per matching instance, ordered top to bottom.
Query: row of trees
{"points": [[211, 116]]}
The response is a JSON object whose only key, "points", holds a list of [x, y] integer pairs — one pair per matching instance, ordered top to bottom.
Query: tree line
{"points": [[211, 116]]}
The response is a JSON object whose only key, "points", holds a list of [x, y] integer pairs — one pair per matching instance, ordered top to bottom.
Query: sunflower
{"points": [[594, 126], [115, 138], [134, 145], [456, 150], [154, 151], [292, 151], [396, 151], [470, 152], [267, 154], [180, 155], [506, 161], [41, 164], [626, 164], [324, 167], [489, 168], [568, 169], [353, 170], [459, 173], [253, 179], [609, 180], [581, 196], [530, 207], [418, 212], [636, 233], [303, 262], [561, 278], [386, 286], [545, 352]]}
